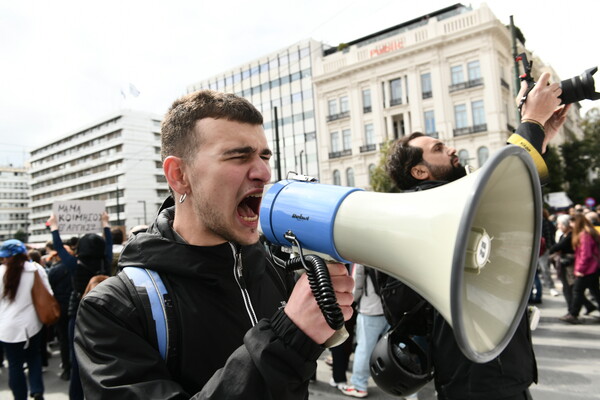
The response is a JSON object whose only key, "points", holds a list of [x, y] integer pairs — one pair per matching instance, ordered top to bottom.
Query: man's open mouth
{"points": [[248, 208]]}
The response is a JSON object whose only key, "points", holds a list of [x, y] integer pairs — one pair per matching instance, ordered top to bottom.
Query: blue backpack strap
{"points": [[156, 294]]}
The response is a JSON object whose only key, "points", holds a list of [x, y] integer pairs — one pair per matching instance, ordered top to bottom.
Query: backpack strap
{"points": [[156, 291]]}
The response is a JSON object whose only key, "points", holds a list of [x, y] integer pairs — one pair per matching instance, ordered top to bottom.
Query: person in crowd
{"points": [[420, 162], [594, 219], [549, 235], [117, 236], [586, 242], [48, 253], [92, 257], [564, 257], [59, 277], [535, 297], [370, 326], [20, 327], [47, 331], [242, 335], [340, 355]]}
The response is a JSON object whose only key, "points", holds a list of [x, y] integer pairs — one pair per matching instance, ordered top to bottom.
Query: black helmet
{"points": [[400, 364]]}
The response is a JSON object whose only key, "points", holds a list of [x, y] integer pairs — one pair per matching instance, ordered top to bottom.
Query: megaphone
{"points": [[469, 247]]}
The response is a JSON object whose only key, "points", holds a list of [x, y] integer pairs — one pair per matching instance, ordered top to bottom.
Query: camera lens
{"points": [[579, 87]]}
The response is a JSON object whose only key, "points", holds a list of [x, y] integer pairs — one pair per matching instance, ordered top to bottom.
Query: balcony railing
{"points": [[504, 84], [466, 85], [427, 95], [395, 102], [367, 109], [334, 117], [467, 130], [433, 134], [368, 147], [338, 154]]}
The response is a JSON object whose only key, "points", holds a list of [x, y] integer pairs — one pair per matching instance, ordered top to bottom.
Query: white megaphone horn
{"points": [[469, 247]]}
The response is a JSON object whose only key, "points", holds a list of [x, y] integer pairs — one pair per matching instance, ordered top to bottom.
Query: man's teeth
{"points": [[250, 219]]}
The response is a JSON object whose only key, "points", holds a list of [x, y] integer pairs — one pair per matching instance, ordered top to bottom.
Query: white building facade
{"points": [[449, 74], [281, 80], [115, 159], [14, 201]]}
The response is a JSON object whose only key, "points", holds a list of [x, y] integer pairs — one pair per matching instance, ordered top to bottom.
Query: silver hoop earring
{"points": [[182, 198]]}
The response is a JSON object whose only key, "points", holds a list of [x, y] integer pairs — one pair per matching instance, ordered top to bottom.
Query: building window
{"points": [[473, 70], [456, 73], [426, 85], [395, 92], [366, 99], [332, 107], [344, 107], [478, 113], [460, 116], [429, 123], [369, 134], [347, 139], [335, 142], [482, 155], [463, 157], [371, 172], [350, 177], [337, 178]]}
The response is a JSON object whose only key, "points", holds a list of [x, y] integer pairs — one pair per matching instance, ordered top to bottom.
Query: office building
{"points": [[280, 81], [115, 159], [14, 202]]}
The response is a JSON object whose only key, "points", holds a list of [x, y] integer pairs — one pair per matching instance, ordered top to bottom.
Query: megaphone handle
{"points": [[338, 338]]}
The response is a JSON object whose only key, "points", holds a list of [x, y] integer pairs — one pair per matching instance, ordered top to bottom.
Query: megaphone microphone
{"points": [[469, 247]]}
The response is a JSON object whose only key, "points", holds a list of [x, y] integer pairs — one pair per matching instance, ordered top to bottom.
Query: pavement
{"points": [[568, 358]]}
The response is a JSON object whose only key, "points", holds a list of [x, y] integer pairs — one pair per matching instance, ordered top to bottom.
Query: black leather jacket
{"points": [[233, 340]]}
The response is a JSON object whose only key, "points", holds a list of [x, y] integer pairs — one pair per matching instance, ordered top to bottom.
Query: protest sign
{"points": [[77, 217]]}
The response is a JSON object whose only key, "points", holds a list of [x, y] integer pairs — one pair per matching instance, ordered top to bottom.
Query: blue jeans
{"points": [[369, 328], [17, 354]]}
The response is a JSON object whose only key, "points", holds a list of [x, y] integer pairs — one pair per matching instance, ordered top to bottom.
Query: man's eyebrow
{"points": [[436, 145], [239, 150], [246, 150]]}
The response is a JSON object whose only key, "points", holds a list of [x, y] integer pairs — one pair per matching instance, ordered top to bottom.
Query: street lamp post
{"points": [[144, 203]]}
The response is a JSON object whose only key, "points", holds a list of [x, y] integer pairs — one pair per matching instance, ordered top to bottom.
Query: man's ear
{"points": [[174, 170], [420, 172]]}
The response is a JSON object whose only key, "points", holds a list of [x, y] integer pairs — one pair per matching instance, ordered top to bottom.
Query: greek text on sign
{"points": [[77, 217]]}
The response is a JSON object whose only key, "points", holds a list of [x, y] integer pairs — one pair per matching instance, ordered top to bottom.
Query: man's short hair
{"points": [[177, 138], [401, 159]]}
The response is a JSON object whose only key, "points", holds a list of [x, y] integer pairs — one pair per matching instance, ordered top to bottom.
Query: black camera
{"points": [[575, 89]]}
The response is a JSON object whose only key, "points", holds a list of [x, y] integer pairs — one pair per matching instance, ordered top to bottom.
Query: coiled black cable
{"points": [[320, 285]]}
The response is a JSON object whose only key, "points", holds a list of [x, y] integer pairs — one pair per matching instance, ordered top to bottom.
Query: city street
{"points": [[567, 355]]}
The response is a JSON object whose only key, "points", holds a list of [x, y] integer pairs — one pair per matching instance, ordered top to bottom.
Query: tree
{"points": [[591, 131], [556, 170], [380, 180], [21, 235]]}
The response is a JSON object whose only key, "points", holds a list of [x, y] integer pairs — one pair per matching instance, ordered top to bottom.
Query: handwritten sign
{"points": [[77, 217]]}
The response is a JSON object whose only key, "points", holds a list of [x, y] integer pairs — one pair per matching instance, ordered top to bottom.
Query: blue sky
{"points": [[64, 63]]}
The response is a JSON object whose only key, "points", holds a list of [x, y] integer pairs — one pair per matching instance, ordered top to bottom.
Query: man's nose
{"points": [[451, 151], [261, 171]]}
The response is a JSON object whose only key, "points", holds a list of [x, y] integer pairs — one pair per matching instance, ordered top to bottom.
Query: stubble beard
{"points": [[213, 221]]}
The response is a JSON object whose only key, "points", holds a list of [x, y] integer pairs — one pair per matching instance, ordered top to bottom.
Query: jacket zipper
{"points": [[238, 269]]}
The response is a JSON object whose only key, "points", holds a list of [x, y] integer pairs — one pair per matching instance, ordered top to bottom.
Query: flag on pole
{"points": [[133, 90]]}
